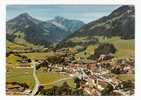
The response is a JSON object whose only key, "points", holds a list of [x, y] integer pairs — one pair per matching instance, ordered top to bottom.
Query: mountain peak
{"points": [[122, 10], [24, 14], [24, 18], [59, 18], [69, 24]]}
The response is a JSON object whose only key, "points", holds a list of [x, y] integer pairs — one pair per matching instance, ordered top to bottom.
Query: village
{"points": [[97, 75], [94, 77]]}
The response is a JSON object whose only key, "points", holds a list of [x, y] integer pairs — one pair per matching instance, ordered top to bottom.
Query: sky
{"points": [[85, 13]]}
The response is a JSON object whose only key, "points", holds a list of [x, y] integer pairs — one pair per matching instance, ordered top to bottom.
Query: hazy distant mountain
{"points": [[120, 22], [70, 25], [25, 27]]}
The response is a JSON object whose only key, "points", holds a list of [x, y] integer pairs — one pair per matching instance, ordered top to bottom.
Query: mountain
{"points": [[120, 22], [70, 25], [26, 28]]}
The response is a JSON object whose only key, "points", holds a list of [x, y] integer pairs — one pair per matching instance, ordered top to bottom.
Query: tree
{"points": [[104, 48], [55, 59], [29, 60], [43, 64], [116, 71], [77, 82], [24, 85], [128, 85], [65, 89], [55, 90], [62, 90], [107, 90]]}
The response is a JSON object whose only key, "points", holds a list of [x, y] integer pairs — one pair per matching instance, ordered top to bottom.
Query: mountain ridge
{"points": [[120, 22], [115, 23], [70, 24], [35, 31]]}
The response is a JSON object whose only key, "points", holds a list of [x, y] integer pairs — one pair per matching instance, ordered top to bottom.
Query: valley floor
{"points": [[105, 77]]}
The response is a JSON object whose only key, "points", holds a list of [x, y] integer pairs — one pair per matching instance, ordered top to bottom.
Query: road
{"points": [[105, 80], [37, 82], [121, 92]]}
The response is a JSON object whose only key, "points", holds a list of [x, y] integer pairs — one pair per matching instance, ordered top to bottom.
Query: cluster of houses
{"points": [[124, 66], [95, 73], [95, 84]]}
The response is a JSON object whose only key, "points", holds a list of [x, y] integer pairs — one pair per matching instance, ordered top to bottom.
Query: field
{"points": [[11, 45], [125, 48], [36, 55], [11, 60], [21, 75], [24, 75], [125, 77], [48, 79]]}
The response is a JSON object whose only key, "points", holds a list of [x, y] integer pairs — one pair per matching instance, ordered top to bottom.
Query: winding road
{"points": [[37, 82]]}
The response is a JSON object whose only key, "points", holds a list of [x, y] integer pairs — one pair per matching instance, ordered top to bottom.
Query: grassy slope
{"points": [[20, 44], [11, 46], [125, 47], [35, 55], [12, 59], [20, 75], [25, 75], [50, 77], [126, 77]]}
